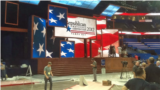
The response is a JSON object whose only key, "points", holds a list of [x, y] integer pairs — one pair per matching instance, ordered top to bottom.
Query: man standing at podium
{"points": [[94, 65], [3, 71], [48, 73]]}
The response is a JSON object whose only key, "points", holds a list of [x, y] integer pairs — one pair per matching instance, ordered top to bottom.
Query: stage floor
{"points": [[64, 82]]}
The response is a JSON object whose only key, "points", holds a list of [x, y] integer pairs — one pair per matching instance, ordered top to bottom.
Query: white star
{"points": [[50, 11], [61, 16], [52, 20], [35, 27], [44, 31], [69, 43], [62, 45], [40, 49], [70, 50], [48, 54], [63, 54]]}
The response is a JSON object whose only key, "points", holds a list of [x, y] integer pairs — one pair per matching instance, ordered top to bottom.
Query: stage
{"points": [[81, 66], [69, 82]]}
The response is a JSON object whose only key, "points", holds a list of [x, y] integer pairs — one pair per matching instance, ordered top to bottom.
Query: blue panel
{"points": [[25, 1], [36, 2], [89, 4], [110, 10], [54, 19], [39, 37], [67, 49], [103, 62]]}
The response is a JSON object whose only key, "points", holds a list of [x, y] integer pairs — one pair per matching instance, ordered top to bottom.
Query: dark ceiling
{"points": [[26, 10]]}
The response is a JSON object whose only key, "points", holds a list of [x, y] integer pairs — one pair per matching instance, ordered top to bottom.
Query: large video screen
{"points": [[36, 2], [89, 4], [110, 10], [78, 27], [110, 37]]}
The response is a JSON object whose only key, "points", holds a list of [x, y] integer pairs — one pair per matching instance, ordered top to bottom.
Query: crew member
{"points": [[137, 63], [94, 65], [3, 71], [152, 72], [48, 74]]}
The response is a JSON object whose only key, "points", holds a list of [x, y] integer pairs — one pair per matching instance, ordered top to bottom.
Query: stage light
{"points": [[35, 2], [89, 4], [110, 10]]}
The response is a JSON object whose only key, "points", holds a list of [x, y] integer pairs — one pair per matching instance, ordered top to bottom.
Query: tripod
{"points": [[124, 69]]}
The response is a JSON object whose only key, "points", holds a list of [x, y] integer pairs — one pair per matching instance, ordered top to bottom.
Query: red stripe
{"points": [[133, 14], [71, 17], [100, 17], [101, 26]]}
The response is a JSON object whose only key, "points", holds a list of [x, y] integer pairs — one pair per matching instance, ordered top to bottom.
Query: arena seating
{"points": [[144, 49]]}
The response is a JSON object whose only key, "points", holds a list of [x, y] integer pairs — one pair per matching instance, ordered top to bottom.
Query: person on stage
{"points": [[94, 65], [3, 71], [48, 73]]}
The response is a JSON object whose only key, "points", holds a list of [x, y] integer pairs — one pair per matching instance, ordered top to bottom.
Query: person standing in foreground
{"points": [[94, 65], [3, 72], [152, 72], [48, 73], [138, 83]]}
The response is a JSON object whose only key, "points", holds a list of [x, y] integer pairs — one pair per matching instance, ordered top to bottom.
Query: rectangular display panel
{"points": [[35, 2], [89, 4], [110, 10], [11, 13], [57, 16], [78, 27], [38, 36], [110, 37], [67, 49]]}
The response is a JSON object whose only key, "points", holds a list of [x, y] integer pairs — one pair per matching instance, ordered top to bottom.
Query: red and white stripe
{"points": [[137, 14], [101, 24], [139, 33]]}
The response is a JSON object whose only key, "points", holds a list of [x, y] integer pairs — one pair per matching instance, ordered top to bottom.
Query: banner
{"points": [[78, 27], [38, 33], [110, 37], [67, 49]]}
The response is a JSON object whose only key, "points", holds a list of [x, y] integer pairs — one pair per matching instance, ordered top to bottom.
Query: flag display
{"points": [[57, 16], [78, 27], [39, 36], [110, 37], [79, 47], [67, 49]]}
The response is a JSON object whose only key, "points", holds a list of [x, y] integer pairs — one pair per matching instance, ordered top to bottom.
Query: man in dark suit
{"points": [[152, 72]]}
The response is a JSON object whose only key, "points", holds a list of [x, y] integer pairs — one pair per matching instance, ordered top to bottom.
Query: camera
{"points": [[124, 63]]}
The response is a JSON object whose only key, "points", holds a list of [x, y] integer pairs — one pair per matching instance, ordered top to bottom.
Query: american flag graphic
{"points": [[57, 16], [39, 35], [67, 49]]}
